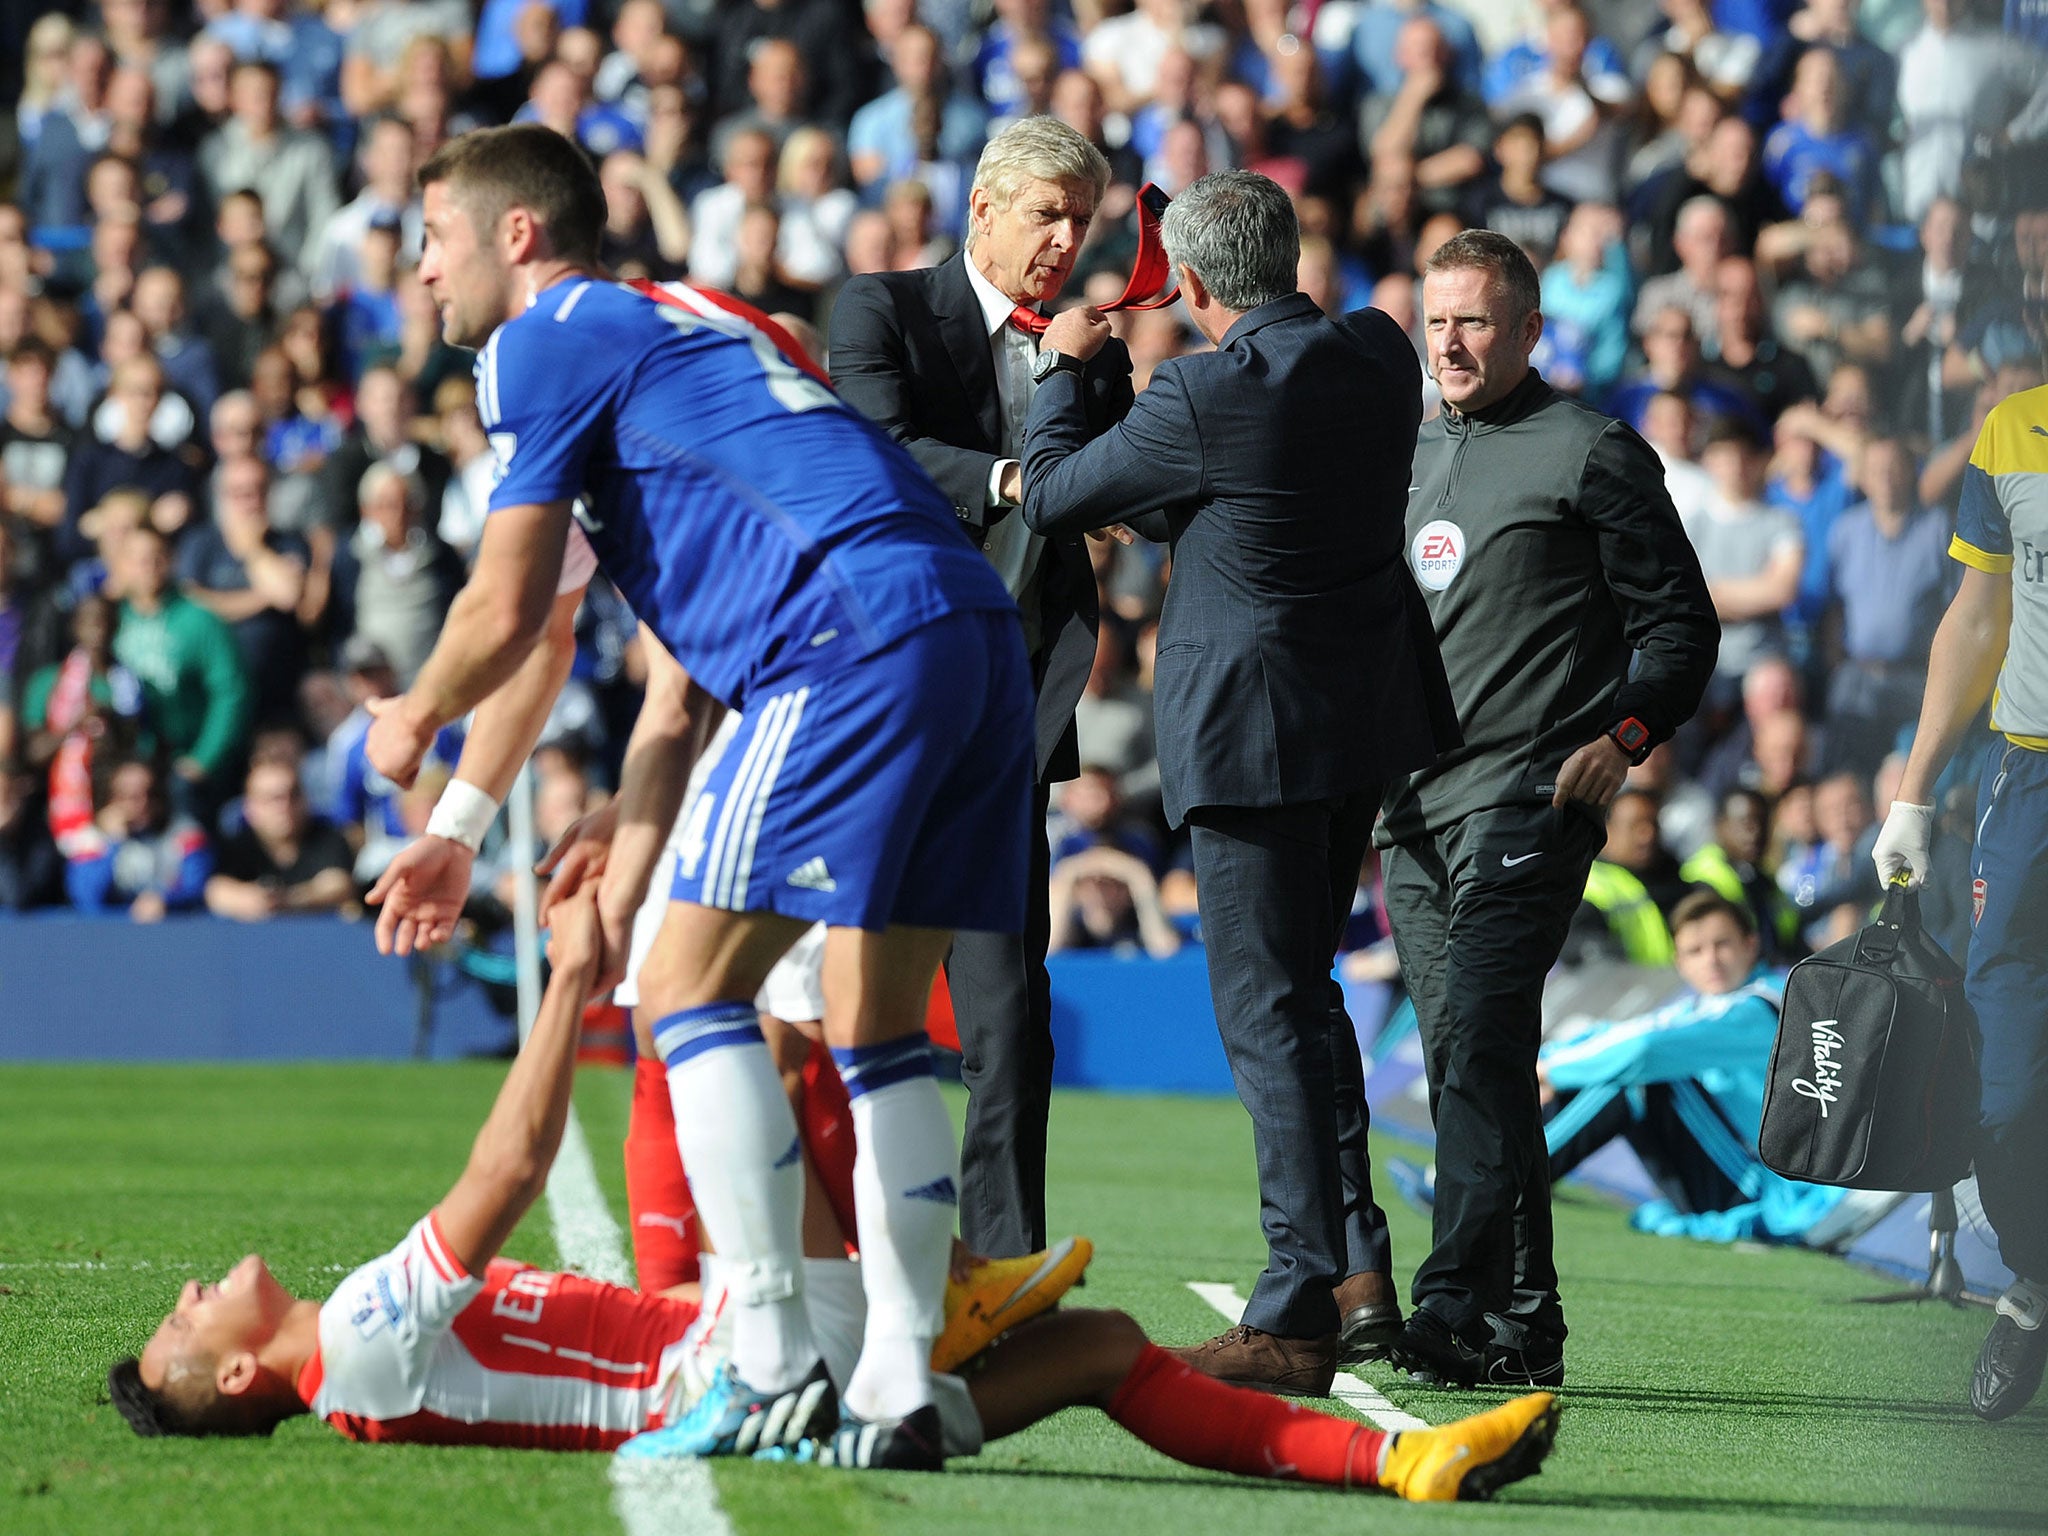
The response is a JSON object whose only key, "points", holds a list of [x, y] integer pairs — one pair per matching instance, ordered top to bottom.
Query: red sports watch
{"points": [[1633, 737]]}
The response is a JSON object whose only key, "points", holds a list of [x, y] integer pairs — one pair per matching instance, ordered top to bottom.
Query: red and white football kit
{"points": [[414, 1348]]}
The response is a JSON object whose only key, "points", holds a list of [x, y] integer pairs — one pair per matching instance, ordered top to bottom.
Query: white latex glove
{"points": [[1901, 846]]}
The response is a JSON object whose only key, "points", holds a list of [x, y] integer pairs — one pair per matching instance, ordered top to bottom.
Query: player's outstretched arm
{"points": [[493, 623], [676, 719], [421, 893], [508, 1165]]}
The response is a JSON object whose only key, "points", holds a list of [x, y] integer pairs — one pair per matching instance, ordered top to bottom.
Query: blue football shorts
{"points": [[893, 790]]}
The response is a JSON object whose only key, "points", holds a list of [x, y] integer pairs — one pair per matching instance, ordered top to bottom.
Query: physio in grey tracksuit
{"points": [[1577, 633]]}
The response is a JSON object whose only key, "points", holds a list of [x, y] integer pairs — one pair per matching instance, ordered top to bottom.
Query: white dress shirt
{"points": [[1011, 547]]}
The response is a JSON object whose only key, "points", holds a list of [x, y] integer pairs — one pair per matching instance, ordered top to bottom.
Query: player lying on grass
{"points": [[441, 1342]]}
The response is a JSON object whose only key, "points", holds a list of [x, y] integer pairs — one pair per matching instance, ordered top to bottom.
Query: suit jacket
{"points": [[911, 352], [1296, 658]]}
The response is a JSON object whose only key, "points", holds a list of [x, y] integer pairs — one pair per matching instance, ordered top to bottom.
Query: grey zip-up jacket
{"points": [[1551, 559]]}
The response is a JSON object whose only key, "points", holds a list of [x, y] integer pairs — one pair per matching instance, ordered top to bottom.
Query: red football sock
{"points": [[827, 1124], [657, 1193], [1196, 1419]]}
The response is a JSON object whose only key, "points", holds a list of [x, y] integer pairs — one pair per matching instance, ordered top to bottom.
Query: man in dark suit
{"points": [[934, 357], [1297, 674]]}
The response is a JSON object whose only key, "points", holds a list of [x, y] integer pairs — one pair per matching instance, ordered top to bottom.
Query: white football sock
{"points": [[739, 1144], [906, 1200]]}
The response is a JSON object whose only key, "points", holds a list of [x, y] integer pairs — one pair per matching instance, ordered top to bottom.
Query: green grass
{"points": [[1711, 1390]]}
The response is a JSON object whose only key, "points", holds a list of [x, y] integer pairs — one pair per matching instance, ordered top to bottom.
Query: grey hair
{"points": [[1041, 148], [1238, 232], [375, 477]]}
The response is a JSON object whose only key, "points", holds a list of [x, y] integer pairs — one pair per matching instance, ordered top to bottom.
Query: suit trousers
{"points": [[1276, 885], [1479, 913], [1002, 1003]]}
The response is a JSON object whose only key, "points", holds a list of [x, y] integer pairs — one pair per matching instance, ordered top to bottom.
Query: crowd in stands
{"points": [[1802, 248]]}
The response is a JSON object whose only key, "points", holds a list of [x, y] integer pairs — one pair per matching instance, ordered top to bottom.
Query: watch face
{"points": [[1042, 369]]}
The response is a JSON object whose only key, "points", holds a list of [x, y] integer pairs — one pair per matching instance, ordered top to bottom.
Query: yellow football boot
{"points": [[998, 1294], [1474, 1457]]}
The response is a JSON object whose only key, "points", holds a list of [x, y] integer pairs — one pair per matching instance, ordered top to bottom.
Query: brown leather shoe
{"points": [[1369, 1317], [1246, 1357]]}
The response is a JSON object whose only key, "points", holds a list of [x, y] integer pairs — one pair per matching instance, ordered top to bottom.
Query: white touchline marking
{"points": [[1353, 1391], [651, 1498]]}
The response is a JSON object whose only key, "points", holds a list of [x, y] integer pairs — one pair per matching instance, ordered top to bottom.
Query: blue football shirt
{"points": [[757, 523]]}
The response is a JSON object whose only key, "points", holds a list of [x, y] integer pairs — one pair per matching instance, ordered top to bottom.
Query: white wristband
{"points": [[463, 815]]}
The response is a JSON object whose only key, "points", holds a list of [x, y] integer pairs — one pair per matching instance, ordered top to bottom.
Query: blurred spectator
{"points": [[825, 42], [48, 49], [1023, 50], [1122, 53], [1376, 53], [1530, 54], [1726, 60], [1959, 80], [778, 90], [1580, 104], [71, 131], [1818, 137], [884, 144], [385, 157], [748, 165], [1724, 167], [291, 170], [1514, 201], [816, 208], [646, 231], [1700, 241], [758, 276], [1585, 304], [1837, 307], [239, 315], [1744, 353], [187, 359], [1672, 365], [1937, 392], [1670, 427], [382, 434], [35, 453], [128, 457], [473, 467], [1811, 484], [1751, 553], [1890, 573], [393, 578], [259, 581], [195, 690], [82, 705], [1113, 724], [363, 804], [1685, 811], [1092, 815], [137, 856], [282, 859], [1733, 865], [31, 870], [1836, 885], [1630, 889], [1103, 898]]}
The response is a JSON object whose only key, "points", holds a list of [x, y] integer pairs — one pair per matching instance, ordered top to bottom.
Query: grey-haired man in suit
{"points": [[1297, 674]]}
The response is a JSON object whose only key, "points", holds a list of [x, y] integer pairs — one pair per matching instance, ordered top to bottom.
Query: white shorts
{"points": [[795, 989], [838, 1312]]}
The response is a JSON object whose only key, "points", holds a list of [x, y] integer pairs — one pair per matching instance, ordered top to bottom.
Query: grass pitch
{"points": [[1710, 1390]]}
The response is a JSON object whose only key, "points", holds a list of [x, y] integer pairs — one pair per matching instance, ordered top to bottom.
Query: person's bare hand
{"points": [[1077, 333], [1011, 487], [1116, 532], [395, 746], [1593, 775], [578, 857], [420, 895], [148, 907], [575, 938]]}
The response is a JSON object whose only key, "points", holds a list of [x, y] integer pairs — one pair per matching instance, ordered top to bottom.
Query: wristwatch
{"points": [[1051, 362], [1633, 737]]}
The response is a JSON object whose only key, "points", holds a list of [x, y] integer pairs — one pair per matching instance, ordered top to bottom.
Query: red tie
{"points": [[1150, 270]]}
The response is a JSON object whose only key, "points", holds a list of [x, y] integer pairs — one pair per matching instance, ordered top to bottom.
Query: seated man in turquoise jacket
{"points": [[1684, 1086]]}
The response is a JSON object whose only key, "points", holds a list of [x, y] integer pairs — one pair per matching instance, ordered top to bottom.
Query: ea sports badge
{"points": [[1437, 553], [1977, 889]]}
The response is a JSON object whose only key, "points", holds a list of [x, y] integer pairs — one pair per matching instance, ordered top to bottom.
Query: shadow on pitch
{"points": [[1860, 1516]]}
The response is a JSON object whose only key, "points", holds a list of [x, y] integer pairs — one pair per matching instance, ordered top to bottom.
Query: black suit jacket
{"points": [[911, 352], [1296, 658]]}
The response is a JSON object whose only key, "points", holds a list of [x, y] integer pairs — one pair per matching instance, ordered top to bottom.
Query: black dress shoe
{"points": [[1431, 1353], [1526, 1367], [2008, 1368]]}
